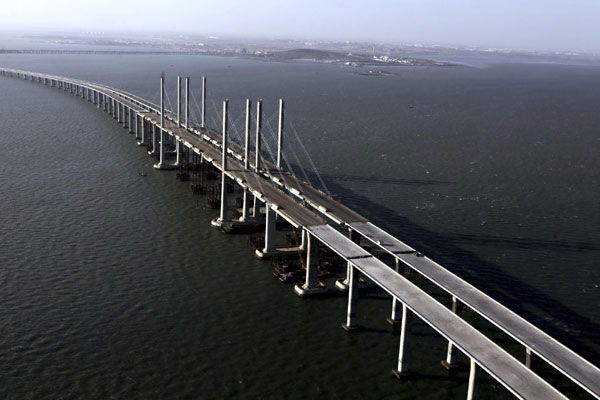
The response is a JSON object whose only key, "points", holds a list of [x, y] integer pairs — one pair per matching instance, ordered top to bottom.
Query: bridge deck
{"points": [[284, 205], [561, 357], [511, 373]]}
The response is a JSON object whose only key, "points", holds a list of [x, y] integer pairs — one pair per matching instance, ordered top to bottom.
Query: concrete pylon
{"points": [[187, 103], [203, 121], [280, 134], [161, 150], [246, 195], [256, 208], [223, 213], [342, 284], [311, 285], [396, 318], [351, 324], [405, 328], [451, 361], [473, 374]]}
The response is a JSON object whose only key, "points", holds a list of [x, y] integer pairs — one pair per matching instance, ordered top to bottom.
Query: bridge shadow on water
{"points": [[538, 308]]}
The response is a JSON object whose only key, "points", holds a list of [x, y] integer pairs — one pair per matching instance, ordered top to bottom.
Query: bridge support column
{"points": [[125, 116], [119, 117], [131, 120], [137, 126], [142, 141], [154, 150], [177, 152], [245, 205], [270, 221], [342, 284], [311, 286], [396, 318], [351, 324], [405, 327], [530, 358], [451, 360], [472, 389]]}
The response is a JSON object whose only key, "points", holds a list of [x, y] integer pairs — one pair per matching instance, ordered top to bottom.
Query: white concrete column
{"points": [[178, 101], [187, 103], [119, 117], [132, 120], [203, 121], [162, 123], [137, 126], [143, 126], [280, 134], [154, 141], [177, 146], [257, 151], [246, 203], [223, 215], [269, 229], [312, 262], [342, 284], [311, 285], [396, 316], [351, 323], [405, 327], [529, 358], [451, 360], [473, 373]]}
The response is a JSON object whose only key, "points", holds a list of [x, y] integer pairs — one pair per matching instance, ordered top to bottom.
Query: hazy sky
{"points": [[523, 24]]}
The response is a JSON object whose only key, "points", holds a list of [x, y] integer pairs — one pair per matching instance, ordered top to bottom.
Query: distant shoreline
{"points": [[300, 55]]}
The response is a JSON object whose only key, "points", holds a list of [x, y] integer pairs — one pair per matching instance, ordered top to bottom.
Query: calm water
{"points": [[115, 286]]}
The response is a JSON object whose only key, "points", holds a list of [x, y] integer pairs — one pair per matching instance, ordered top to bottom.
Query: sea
{"points": [[114, 285]]}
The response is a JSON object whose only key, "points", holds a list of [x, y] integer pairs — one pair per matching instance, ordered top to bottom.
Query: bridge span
{"points": [[269, 187]]}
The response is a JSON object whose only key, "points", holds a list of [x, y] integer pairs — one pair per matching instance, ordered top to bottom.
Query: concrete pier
{"points": [[342, 284], [311, 286], [396, 318], [351, 323], [405, 327], [451, 361], [473, 387]]}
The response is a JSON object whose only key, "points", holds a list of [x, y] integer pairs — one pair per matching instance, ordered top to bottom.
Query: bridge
{"points": [[270, 193]]}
